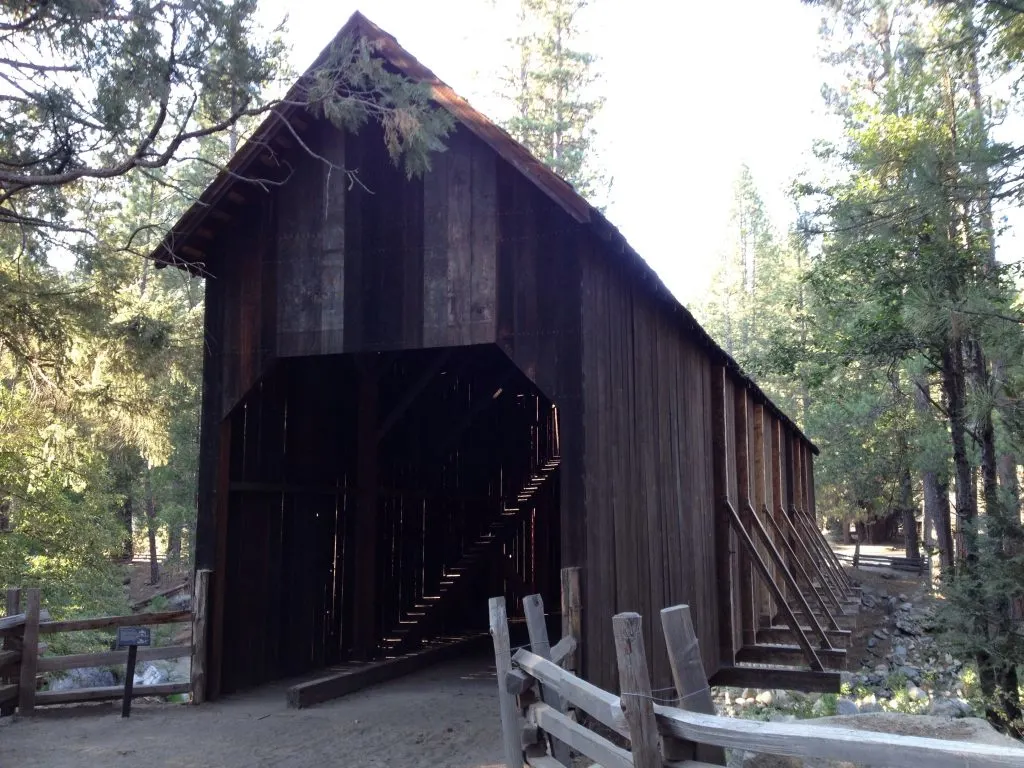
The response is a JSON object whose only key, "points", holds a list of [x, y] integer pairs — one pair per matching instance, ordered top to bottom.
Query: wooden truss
{"points": [[786, 601]]}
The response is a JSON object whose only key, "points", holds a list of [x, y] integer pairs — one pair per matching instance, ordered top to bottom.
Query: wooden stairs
{"points": [[416, 622]]}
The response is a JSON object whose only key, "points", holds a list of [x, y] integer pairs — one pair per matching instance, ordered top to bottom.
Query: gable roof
{"points": [[510, 150]]}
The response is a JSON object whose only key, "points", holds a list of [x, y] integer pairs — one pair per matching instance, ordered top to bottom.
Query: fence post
{"points": [[856, 554], [200, 592], [572, 619], [536, 626], [11, 644], [29, 654], [688, 672], [635, 690], [510, 725]]}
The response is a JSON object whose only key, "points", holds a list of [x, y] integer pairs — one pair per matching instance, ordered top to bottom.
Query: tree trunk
{"points": [[953, 385], [943, 525], [151, 526], [847, 536], [910, 541], [174, 543], [128, 547]]}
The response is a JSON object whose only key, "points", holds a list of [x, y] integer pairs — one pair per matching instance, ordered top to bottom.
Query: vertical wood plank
{"points": [[484, 245], [435, 252], [460, 253], [332, 263], [222, 481], [200, 592], [13, 602], [572, 619], [365, 625], [536, 626], [29, 653], [688, 673], [635, 690], [511, 725]]}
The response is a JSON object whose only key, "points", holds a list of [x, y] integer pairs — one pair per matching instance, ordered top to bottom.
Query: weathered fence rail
{"points": [[858, 559], [22, 660], [542, 703]]}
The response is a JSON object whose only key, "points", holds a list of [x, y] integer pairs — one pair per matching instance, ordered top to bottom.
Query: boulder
{"points": [[151, 675], [86, 677], [915, 693], [765, 698], [847, 707], [955, 707]]}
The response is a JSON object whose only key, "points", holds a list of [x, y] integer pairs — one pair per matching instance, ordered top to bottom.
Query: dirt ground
{"points": [[445, 717]]}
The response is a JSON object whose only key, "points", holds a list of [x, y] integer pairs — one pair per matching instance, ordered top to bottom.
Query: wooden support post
{"points": [[720, 467], [748, 543], [824, 552], [856, 555], [826, 587], [200, 592], [748, 608], [572, 618], [536, 626], [365, 635], [11, 645], [29, 654], [688, 672], [635, 690], [511, 725]]}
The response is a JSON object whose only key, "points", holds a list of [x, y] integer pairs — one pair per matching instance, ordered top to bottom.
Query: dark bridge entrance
{"points": [[376, 501]]}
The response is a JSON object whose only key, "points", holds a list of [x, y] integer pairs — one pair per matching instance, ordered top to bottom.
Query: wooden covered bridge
{"points": [[421, 393]]}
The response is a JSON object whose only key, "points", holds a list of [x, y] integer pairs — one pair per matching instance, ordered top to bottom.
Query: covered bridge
{"points": [[418, 394]]}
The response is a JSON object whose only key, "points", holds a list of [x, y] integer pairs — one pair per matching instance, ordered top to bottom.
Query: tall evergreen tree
{"points": [[551, 86]]}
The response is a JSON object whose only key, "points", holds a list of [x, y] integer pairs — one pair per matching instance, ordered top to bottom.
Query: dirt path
{"points": [[446, 716]]}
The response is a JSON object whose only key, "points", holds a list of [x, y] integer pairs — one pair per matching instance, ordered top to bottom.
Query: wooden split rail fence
{"points": [[858, 560], [22, 663], [543, 703]]}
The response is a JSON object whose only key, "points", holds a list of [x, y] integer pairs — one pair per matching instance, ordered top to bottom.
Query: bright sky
{"points": [[693, 89]]}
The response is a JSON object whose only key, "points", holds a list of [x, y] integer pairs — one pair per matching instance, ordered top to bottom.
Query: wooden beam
{"points": [[426, 377], [720, 467], [222, 480], [781, 536], [748, 543], [789, 578], [748, 610], [572, 619], [364, 620], [112, 622], [200, 629], [840, 637], [11, 644], [29, 653], [9, 657], [105, 658], [832, 658], [364, 675], [787, 679], [109, 693], [585, 741]]}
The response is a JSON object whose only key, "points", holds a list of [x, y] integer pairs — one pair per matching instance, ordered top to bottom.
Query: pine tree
{"points": [[551, 86]]}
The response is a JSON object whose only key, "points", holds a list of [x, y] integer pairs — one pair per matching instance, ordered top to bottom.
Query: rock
{"points": [[903, 598], [890, 604], [906, 607], [872, 642], [899, 653], [882, 669], [911, 673], [151, 675], [86, 677], [746, 693], [915, 693], [764, 698], [847, 707], [950, 708], [781, 717], [751, 760]]}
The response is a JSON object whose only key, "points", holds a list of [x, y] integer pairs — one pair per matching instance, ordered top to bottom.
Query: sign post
{"points": [[132, 638]]}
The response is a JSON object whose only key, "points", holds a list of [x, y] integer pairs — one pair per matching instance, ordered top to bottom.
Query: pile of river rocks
{"points": [[901, 671]]}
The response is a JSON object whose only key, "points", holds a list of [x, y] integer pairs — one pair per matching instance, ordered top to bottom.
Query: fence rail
{"points": [[917, 564], [22, 660], [540, 729]]}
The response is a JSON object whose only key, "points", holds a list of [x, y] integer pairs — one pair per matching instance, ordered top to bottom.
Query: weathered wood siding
{"points": [[648, 475]]}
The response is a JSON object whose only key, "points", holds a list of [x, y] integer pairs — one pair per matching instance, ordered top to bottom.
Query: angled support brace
{"points": [[825, 553], [808, 556], [803, 573], [766, 574]]}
